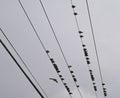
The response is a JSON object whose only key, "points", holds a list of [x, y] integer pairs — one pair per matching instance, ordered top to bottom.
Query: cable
{"points": [[91, 25], [36, 34], [58, 44], [85, 50], [22, 61], [40, 94]]}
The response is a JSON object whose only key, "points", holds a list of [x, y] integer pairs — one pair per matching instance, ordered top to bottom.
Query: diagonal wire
{"points": [[76, 20], [92, 29], [36, 33], [58, 43], [23, 61], [28, 78]]}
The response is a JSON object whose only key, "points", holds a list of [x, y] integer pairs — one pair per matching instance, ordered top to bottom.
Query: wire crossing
{"points": [[47, 51], [22, 61], [99, 66], [74, 79], [37, 90]]}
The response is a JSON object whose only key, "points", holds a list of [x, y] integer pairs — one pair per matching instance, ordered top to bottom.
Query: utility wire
{"points": [[76, 20], [92, 29], [37, 34], [58, 43], [22, 61], [40, 94]]}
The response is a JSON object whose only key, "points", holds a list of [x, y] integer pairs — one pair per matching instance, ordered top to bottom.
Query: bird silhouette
{"points": [[80, 32], [83, 45], [47, 51], [55, 80]]}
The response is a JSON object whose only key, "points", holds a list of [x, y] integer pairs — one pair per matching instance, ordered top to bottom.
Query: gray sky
{"points": [[105, 17]]}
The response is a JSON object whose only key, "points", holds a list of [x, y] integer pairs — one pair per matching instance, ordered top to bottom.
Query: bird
{"points": [[73, 6], [75, 13], [80, 32], [81, 36], [83, 45], [47, 51], [87, 58], [69, 66], [71, 71], [60, 75], [73, 76], [53, 79], [62, 79], [65, 83], [103, 84], [78, 86], [95, 88]]}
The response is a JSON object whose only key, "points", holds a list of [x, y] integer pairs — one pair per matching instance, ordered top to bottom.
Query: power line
{"points": [[38, 36], [58, 44], [84, 49], [22, 61], [99, 66], [40, 94]]}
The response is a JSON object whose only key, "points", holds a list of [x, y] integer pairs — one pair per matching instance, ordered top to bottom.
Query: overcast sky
{"points": [[105, 16]]}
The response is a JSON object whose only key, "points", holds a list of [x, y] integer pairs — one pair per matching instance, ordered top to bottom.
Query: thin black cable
{"points": [[76, 20], [31, 24], [91, 25], [37, 34], [94, 39], [58, 43], [23, 61], [40, 94]]}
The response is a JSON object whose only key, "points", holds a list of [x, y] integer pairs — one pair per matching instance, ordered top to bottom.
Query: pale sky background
{"points": [[105, 17]]}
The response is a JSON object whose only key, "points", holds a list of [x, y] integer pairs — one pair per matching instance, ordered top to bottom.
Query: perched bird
{"points": [[73, 6], [75, 13], [80, 32], [81, 36], [83, 45], [47, 51], [87, 58], [52, 60], [88, 62], [69, 66], [71, 71], [90, 71], [60, 75], [73, 76], [62, 79], [75, 79], [55, 80], [65, 83], [94, 83], [103, 84], [78, 86], [95, 88], [104, 89], [70, 93], [105, 94]]}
